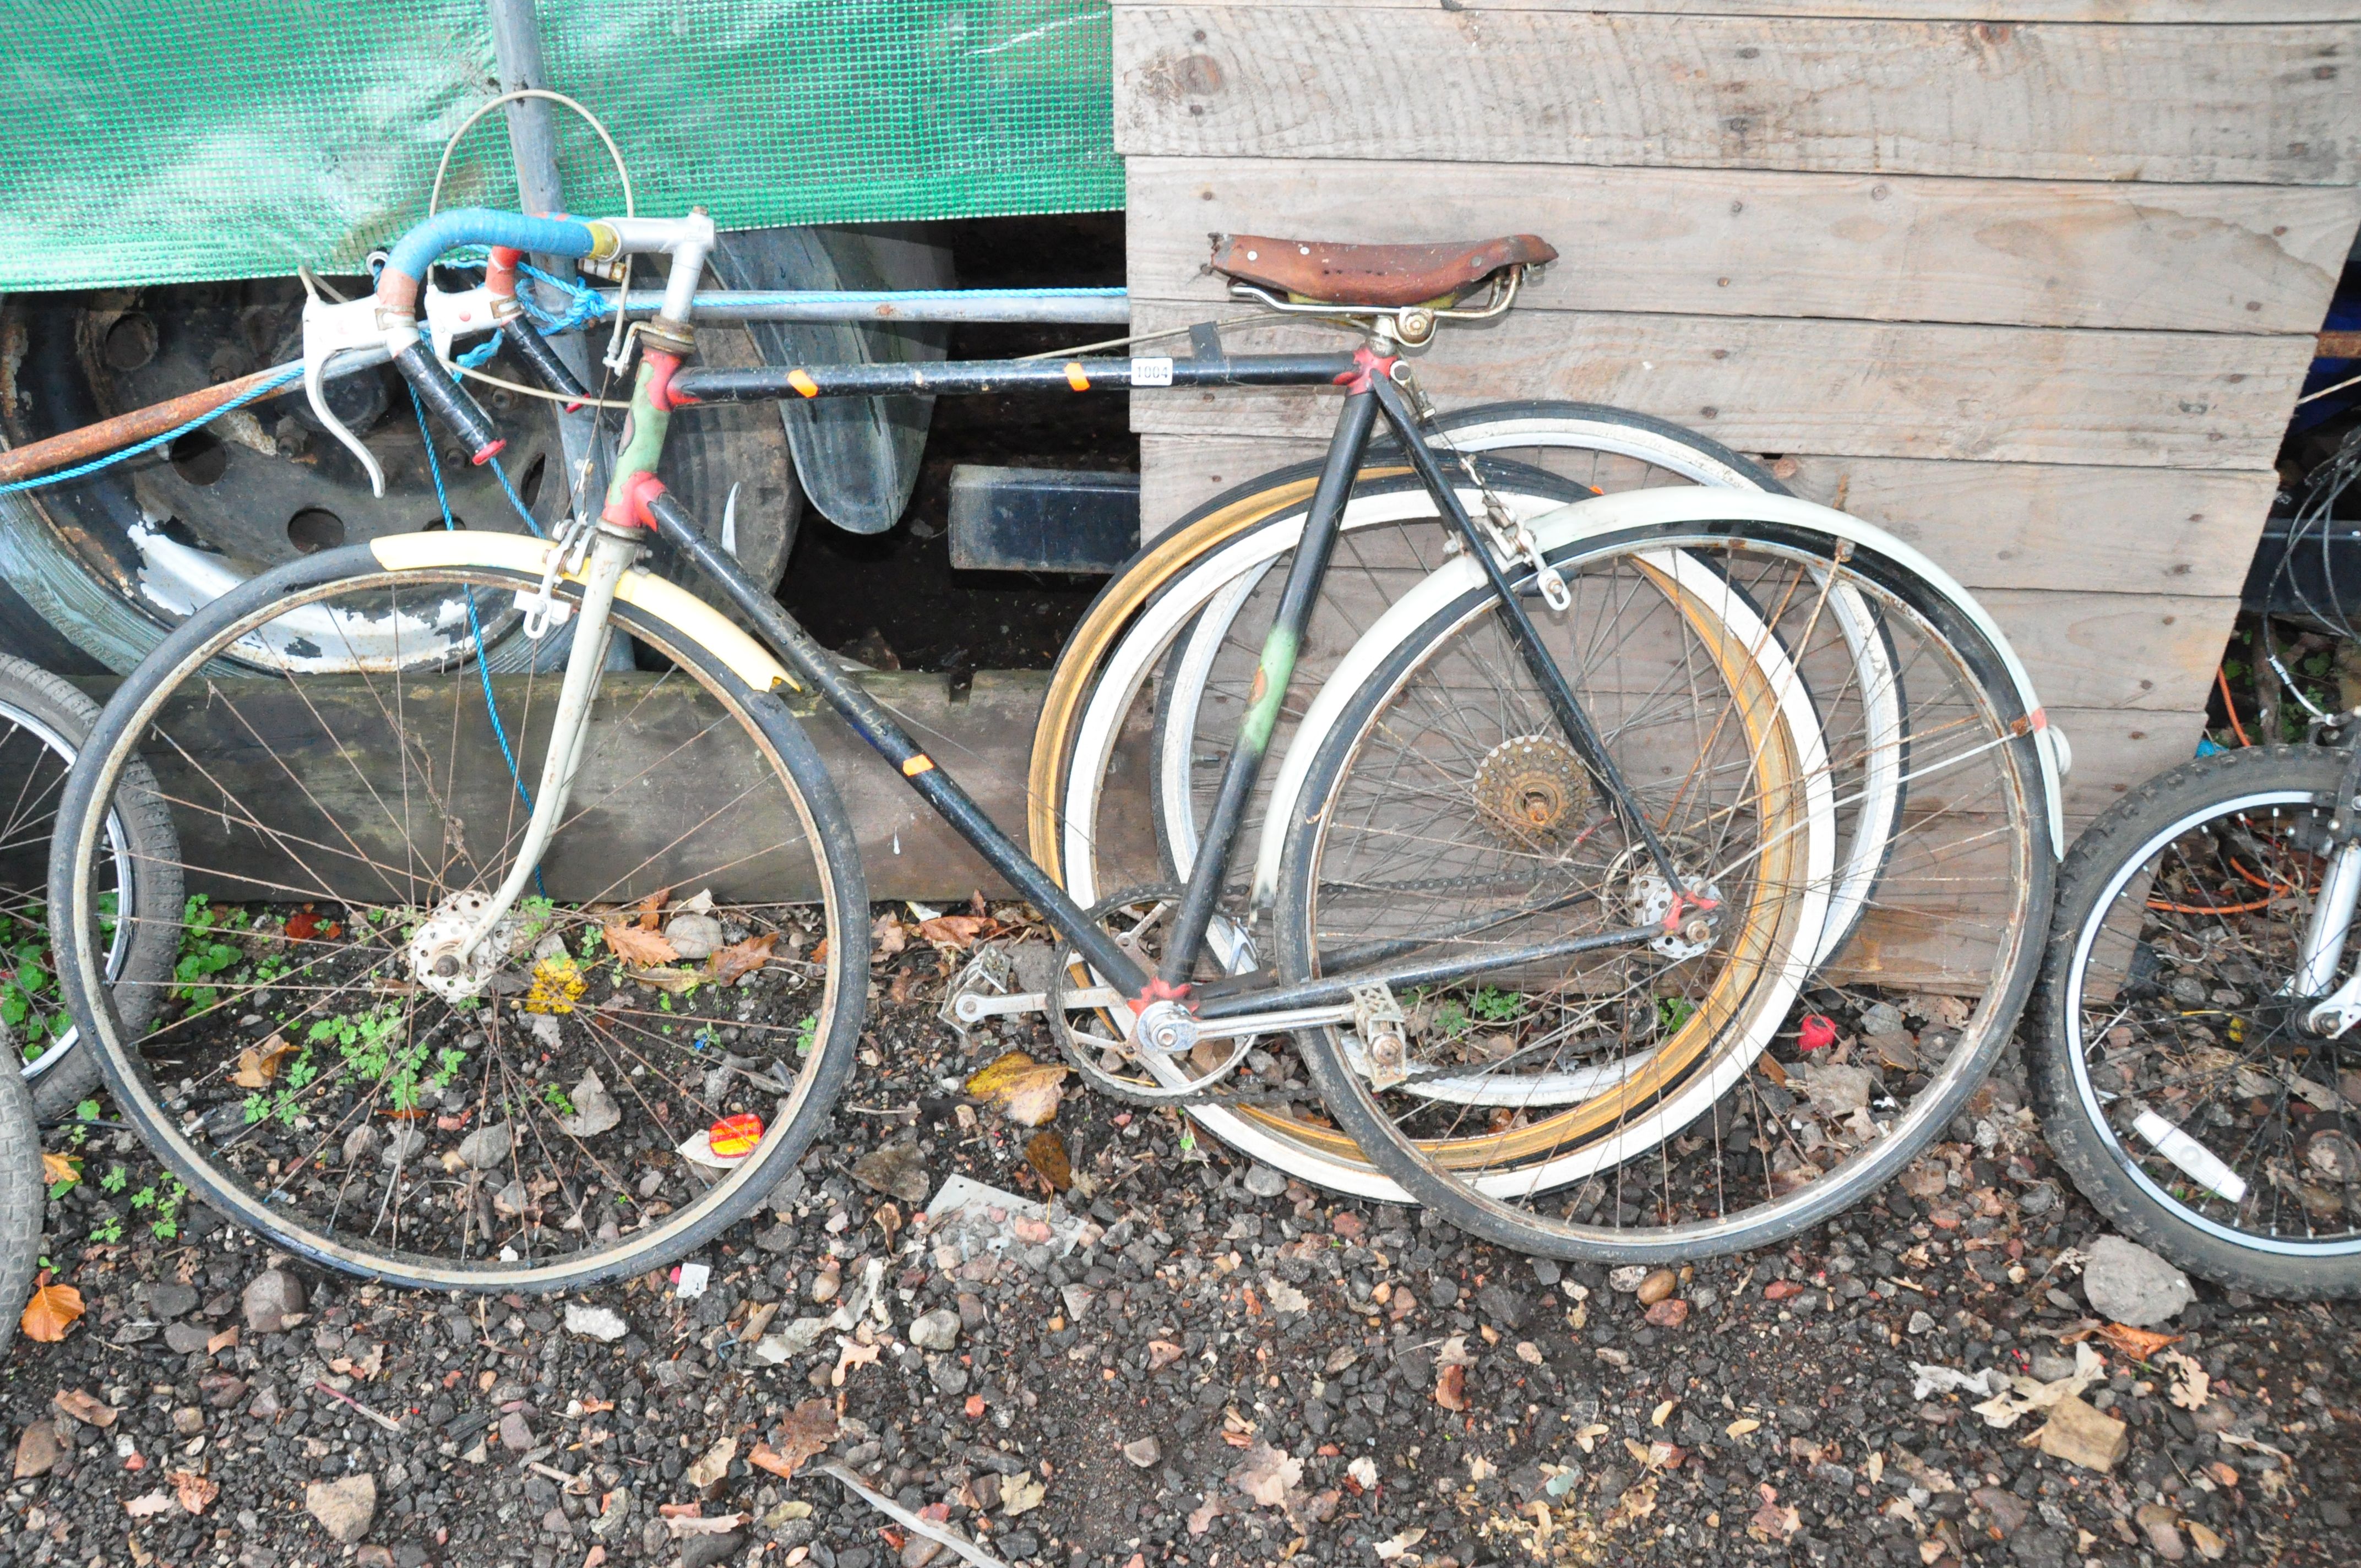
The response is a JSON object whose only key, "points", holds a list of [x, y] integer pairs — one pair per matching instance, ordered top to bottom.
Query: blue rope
{"points": [[293, 373], [476, 627]]}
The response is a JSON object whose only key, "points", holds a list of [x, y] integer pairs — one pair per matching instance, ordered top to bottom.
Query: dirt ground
{"points": [[1226, 1368]]}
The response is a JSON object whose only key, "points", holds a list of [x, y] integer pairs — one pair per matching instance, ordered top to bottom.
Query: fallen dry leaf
{"points": [[650, 909], [956, 932], [887, 938], [638, 944], [741, 959], [673, 979], [258, 1065], [1026, 1091], [1046, 1152], [59, 1167], [53, 1310], [2140, 1344], [1161, 1353], [850, 1355], [2191, 1384], [1451, 1387], [84, 1408], [809, 1428], [713, 1463], [1267, 1474], [194, 1490], [1022, 1492], [149, 1505], [1774, 1521], [682, 1525]]}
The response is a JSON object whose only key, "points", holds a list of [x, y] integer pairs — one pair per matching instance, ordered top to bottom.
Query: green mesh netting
{"points": [[152, 142]]}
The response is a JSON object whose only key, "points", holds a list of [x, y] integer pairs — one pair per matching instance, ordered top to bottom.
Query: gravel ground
{"points": [[1224, 1369]]}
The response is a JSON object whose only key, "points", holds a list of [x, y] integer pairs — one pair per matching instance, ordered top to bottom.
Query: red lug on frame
{"points": [[1367, 365], [631, 510], [1159, 989]]}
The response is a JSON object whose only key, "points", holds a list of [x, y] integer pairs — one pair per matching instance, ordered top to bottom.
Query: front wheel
{"points": [[656, 1032], [2177, 1073]]}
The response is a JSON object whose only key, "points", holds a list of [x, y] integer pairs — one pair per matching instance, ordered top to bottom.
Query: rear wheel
{"points": [[653, 1037], [1656, 1101]]}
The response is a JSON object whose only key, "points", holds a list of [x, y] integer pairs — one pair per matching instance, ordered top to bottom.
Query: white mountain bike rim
{"points": [[2086, 1093]]}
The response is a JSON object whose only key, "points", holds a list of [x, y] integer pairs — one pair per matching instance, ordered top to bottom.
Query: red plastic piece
{"points": [[488, 453], [1158, 990], [1820, 1031], [734, 1137]]}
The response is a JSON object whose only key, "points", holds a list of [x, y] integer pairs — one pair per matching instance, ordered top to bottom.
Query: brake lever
{"points": [[449, 314], [330, 329]]}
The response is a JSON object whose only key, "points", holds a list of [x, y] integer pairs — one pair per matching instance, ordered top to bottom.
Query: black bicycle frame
{"points": [[1370, 394]]}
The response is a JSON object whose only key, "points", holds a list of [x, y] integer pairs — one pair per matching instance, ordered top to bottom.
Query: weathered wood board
{"points": [[2149, 11], [2035, 101], [2235, 259], [1867, 388], [1991, 525]]}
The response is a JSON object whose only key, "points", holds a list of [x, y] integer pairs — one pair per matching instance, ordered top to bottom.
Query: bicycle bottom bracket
{"points": [[438, 957]]}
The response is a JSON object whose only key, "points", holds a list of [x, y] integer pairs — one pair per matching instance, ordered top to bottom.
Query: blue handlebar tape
{"points": [[483, 225]]}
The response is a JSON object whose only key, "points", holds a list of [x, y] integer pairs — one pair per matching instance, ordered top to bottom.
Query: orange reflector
{"points": [[1074, 377], [802, 382], [918, 764], [734, 1137]]}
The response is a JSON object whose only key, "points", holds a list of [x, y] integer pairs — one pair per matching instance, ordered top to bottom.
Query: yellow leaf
{"points": [[557, 985], [1026, 1091], [57, 1168], [53, 1310], [1663, 1411], [1742, 1425]]}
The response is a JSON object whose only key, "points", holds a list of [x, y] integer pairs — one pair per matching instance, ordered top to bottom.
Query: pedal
{"points": [[1379, 1019]]}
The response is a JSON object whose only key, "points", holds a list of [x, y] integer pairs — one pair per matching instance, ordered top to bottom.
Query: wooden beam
{"points": [[2272, 103], [2239, 258], [1868, 388], [1991, 525]]}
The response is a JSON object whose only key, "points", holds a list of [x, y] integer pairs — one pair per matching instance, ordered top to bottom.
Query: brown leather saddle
{"points": [[1311, 271]]}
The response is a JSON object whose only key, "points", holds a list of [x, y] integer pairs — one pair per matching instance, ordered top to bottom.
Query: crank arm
{"points": [[975, 1007]]}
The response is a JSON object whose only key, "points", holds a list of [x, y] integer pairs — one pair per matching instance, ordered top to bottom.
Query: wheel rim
{"points": [[37, 755], [2264, 1041], [305, 1086]]}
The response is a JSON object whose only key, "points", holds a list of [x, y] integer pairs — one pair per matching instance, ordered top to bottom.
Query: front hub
{"points": [[439, 958]]}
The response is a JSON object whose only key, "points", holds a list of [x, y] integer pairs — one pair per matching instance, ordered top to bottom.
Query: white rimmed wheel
{"points": [[43, 722], [2179, 1073], [1652, 1102], [603, 1103]]}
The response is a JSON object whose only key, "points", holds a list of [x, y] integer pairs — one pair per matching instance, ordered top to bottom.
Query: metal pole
{"points": [[532, 145]]}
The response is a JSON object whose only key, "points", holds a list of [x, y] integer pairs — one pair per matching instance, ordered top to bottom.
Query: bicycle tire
{"points": [[727, 669], [36, 704], [2149, 831], [1568, 1150], [23, 1197]]}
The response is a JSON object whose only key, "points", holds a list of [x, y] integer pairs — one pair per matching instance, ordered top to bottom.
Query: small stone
{"points": [[695, 938], [1881, 1019], [1838, 1090], [595, 1110], [358, 1143], [403, 1146], [487, 1147], [893, 1170], [1264, 1182], [1626, 1280], [826, 1284], [1658, 1285], [2132, 1285], [1441, 1293], [271, 1298], [168, 1301], [1502, 1307], [1671, 1313], [603, 1323], [1921, 1323], [938, 1329], [186, 1339], [2048, 1366], [187, 1421], [515, 1435], [2081, 1435], [39, 1450], [1144, 1453], [345, 1508], [2156, 1520], [706, 1551]]}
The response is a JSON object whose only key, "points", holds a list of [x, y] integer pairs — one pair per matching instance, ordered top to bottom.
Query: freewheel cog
{"points": [[1534, 789]]}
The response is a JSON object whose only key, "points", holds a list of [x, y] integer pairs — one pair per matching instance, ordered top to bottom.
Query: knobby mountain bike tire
{"points": [[43, 722], [2175, 1074], [581, 1118], [1702, 1126]]}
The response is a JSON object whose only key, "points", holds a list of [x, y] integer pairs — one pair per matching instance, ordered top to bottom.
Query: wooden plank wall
{"points": [[2029, 281]]}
